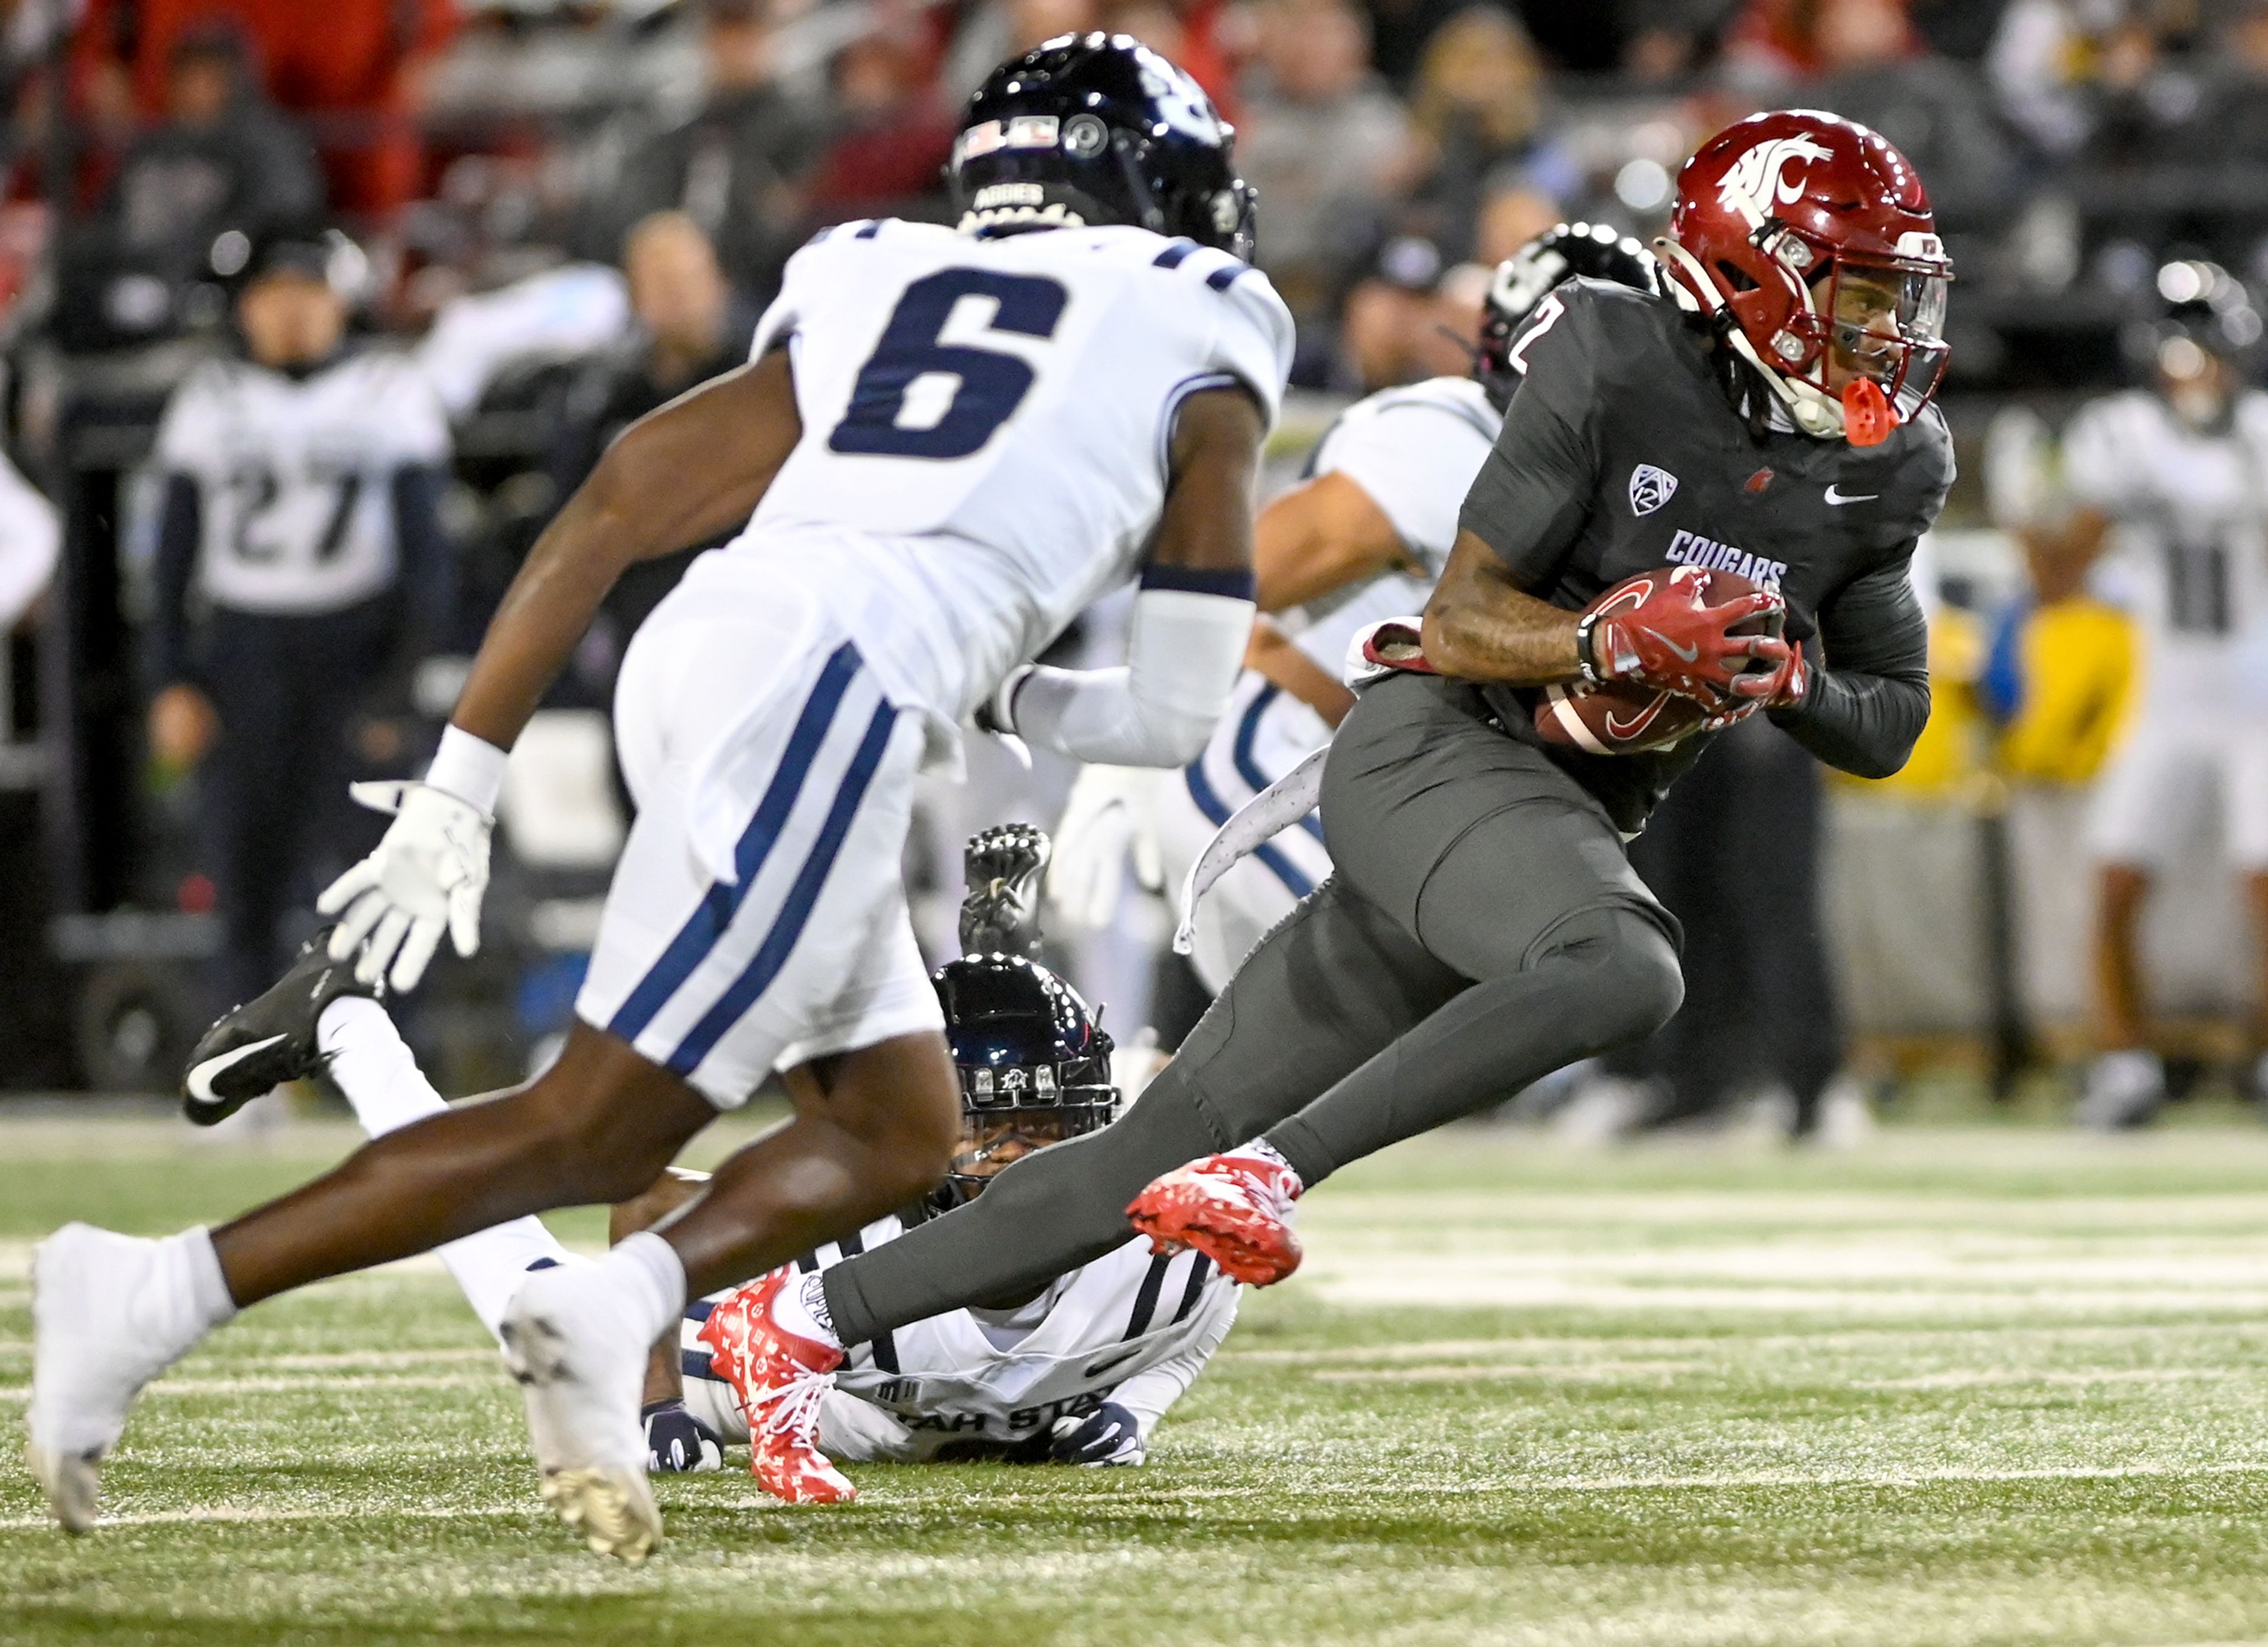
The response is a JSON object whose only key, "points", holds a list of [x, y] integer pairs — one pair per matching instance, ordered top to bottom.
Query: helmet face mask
{"points": [[1089, 129], [1808, 240], [1880, 322], [1033, 1066]]}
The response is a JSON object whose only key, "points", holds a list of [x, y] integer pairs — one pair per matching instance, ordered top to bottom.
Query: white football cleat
{"points": [[107, 1319], [581, 1369]]}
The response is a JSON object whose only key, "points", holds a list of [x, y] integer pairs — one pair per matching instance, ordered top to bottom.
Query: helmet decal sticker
{"points": [[1759, 181]]}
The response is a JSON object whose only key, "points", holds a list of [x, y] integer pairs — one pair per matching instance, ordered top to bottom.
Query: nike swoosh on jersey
{"points": [[1833, 497], [1688, 653], [201, 1078], [1096, 1369]]}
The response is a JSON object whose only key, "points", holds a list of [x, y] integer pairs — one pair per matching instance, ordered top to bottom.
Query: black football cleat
{"points": [[257, 1047]]}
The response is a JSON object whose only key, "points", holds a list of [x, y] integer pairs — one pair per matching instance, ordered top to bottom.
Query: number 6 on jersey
{"points": [[966, 393]]}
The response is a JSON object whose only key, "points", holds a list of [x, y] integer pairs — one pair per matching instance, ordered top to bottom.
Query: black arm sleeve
{"points": [[1534, 490], [181, 529], [429, 563], [1869, 696]]}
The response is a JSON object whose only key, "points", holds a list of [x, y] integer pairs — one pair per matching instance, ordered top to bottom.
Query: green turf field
{"points": [[1982, 1387]]}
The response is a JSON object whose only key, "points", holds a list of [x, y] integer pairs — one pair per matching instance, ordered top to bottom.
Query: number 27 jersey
{"points": [[986, 427]]}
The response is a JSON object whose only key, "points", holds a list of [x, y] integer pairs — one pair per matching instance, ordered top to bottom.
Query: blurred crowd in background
{"points": [[563, 213]]}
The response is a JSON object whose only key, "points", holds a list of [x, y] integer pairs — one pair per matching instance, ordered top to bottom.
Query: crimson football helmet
{"points": [[1809, 238]]}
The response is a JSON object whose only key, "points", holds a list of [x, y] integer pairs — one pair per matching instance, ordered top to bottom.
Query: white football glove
{"points": [[1107, 820], [427, 874]]}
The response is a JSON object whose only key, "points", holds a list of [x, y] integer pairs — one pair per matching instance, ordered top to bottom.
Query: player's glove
{"points": [[1655, 630], [1778, 687], [1105, 821], [427, 874], [1109, 1435], [677, 1443]]}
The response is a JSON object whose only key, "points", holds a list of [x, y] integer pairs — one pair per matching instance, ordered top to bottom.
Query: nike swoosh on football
{"points": [[1833, 497], [1688, 653], [1619, 728], [201, 1078], [1096, 1369]]}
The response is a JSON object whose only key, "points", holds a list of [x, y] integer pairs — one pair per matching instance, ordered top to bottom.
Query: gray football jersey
{"points": [[1622, 452]]}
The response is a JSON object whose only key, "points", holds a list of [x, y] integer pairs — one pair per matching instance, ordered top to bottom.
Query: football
{"points": [[1622, 718]]}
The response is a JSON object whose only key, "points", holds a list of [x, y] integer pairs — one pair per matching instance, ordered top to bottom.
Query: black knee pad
{"points": [[1628, 982]]}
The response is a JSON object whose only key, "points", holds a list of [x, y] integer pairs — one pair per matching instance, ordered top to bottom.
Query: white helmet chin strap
{"points": [[1812, 410]]}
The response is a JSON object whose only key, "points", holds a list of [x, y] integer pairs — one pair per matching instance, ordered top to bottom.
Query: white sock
{"points": [[373, 1066], [1260, 1148], [489, 1267], [646, 1271], [188, 1277], [800, 1307]]}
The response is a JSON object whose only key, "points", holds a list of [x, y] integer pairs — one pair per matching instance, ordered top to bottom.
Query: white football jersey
{"points": [[985, 430], [1414, 450], [294, 477], [2191, 514], [1129, 1327]]}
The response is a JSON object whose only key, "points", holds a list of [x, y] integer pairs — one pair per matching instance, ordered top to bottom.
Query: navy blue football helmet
{"points": [[1098, 128], [1523, 280], [1035, 1067]]}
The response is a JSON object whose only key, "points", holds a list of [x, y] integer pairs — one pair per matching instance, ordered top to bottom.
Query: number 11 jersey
{"points": [[986, 426]]}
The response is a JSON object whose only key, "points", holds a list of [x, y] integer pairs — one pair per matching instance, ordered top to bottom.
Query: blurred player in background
{"points": [[1769, 410], [952, 442], [2176, 477], [1361, 538], [301, 560], [1077, 1372]]}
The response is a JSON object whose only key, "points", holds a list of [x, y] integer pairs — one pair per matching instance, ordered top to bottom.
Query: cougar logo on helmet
{"points": [[1757, 179]]}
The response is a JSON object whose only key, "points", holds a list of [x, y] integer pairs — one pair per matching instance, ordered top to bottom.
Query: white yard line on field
{"points": [[1445, 1373], [1959, 1380], [288, 1385]]}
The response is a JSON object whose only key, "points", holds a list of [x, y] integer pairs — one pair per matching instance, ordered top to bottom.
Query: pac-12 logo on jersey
{"points": [[1649, 489]]}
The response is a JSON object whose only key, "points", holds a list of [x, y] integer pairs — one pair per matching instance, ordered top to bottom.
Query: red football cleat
{"points": [[1235, 1209], [780, 1379]]}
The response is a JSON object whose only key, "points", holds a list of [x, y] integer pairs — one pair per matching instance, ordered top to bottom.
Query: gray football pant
{"points": [[1483, 928]]}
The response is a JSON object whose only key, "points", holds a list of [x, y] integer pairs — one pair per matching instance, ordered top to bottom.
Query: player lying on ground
{"points": [[1767, 413], [951, 441], [1362, 537], [1076, 1372]]}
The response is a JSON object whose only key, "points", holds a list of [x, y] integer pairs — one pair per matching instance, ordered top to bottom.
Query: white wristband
{"points": [[470, 768]]}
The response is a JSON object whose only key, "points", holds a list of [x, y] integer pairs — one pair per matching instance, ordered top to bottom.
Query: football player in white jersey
{"points": [[951, 441], [2174, 481], [301, 529], [1363, 537], [1078, 1371]]}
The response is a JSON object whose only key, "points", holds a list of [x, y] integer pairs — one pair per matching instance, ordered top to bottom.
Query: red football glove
{"points": [[1655, 630], [1764, 690]]}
